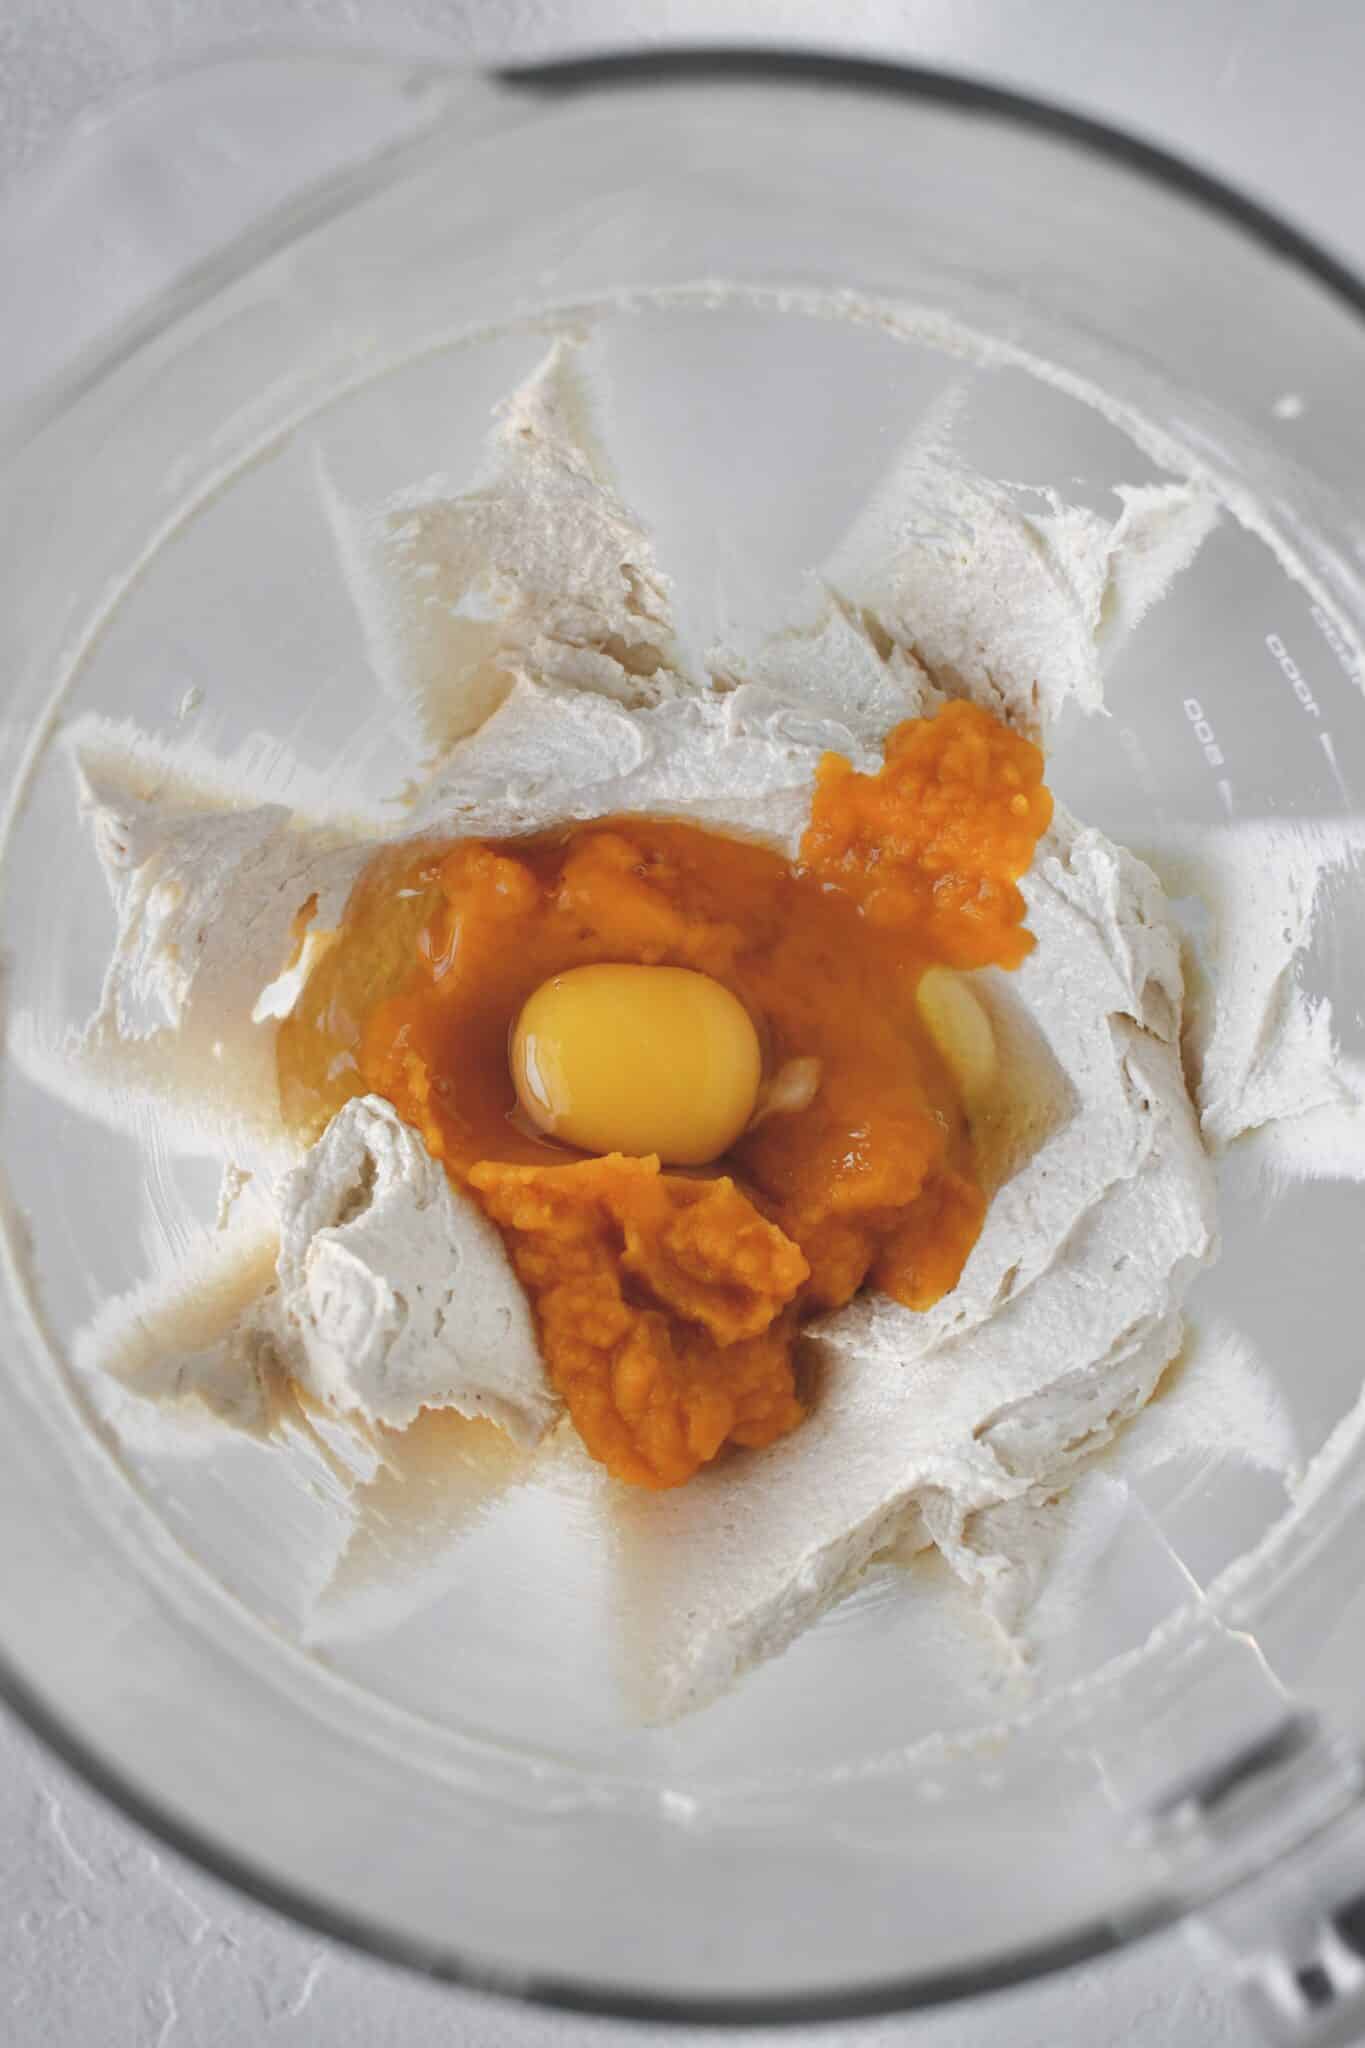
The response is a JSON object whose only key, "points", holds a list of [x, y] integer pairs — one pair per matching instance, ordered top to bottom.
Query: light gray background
{"points": [[106, 1939]]}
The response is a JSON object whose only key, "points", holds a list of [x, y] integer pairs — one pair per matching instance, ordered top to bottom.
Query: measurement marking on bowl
{"points": [[1338, 643], [1292, 673], [1298, 683], [1203, 731], [1325, 739], [1137, 756]]}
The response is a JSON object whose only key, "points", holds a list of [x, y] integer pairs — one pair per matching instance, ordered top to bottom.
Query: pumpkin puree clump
{"points": [[669, 1304]]}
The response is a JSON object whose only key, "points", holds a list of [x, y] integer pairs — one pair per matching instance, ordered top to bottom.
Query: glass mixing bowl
{"points": [[784, 263]]}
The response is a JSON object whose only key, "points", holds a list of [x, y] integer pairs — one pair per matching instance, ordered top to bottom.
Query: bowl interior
{"points": [[448, 1702]]}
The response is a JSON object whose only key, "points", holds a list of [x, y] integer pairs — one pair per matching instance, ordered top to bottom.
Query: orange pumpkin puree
{"points": [[669, 1305]]}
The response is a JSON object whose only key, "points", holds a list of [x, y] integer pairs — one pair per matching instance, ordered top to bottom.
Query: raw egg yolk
{"points": [[640, 1060]]}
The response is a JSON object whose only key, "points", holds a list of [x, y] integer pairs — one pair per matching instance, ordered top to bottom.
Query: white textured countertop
{"points": [[106, 1938], [109, 1941]]}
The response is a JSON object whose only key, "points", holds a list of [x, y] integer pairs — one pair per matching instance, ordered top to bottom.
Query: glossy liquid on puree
{"points": [[669, 1304]]}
